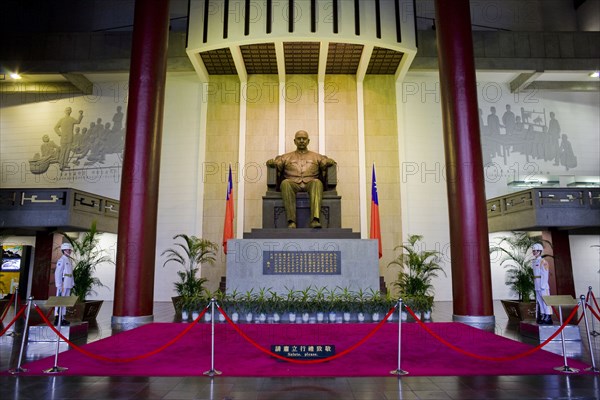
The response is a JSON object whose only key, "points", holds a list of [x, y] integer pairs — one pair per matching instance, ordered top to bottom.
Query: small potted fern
{"points": [[190, 255]]}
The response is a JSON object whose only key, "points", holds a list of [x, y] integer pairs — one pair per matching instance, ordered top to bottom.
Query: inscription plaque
{"points": [[302, 263], [307, 352]]}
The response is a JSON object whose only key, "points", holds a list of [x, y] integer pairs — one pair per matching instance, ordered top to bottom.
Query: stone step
{"points": [[302, 233]]}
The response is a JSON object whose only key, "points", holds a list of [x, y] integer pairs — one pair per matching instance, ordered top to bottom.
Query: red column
{"points": [[136, 243], [469, 243], [561, 279]]}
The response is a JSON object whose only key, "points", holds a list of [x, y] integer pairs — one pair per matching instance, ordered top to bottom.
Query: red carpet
{"points": [[422, 355]]}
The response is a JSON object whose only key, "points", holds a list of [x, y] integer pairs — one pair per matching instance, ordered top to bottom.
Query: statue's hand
{"points": [[271, 163]]}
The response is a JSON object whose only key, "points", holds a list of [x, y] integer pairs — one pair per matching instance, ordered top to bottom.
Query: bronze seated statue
{"points": [[274, 211]]}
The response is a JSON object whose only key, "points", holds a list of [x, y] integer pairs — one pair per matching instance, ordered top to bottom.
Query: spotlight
{"points": [[595, 74], [15, 75]]}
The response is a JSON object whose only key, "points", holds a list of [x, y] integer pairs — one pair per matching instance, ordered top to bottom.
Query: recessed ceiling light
{"points": [[595, 74], [15, 75]]}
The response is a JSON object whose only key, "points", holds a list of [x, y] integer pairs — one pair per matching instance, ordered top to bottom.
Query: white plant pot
{"points": [[418, 314], [184, 315], [195, 315], [404, 315], [427, 315], [235, 316], [207, 317], [249, 317], [262, 317], [276, 317], [292, 317], [305, 317], [320, 317], [332, 317], [347, 317], [361, 317], [375, 317], [221, 318], [391, 318]]}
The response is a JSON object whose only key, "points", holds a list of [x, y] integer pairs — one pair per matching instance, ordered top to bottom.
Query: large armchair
{"points": [[274, 211]]}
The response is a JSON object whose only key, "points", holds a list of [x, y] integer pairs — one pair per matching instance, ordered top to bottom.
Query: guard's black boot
{"points": [[540, 319], [548, 319], [56, 320]]}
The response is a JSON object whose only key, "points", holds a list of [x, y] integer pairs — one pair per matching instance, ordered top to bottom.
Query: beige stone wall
{"points": [[301, 110], [262, 130], [222, 133], [381, 140], [342, 142]]}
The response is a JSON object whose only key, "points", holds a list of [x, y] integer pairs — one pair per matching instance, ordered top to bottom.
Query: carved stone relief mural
{"points": [[533, 133], [80, 145]]}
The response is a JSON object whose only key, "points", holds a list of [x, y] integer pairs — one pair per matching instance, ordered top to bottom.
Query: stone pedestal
{"points": [[264, 263], [542, 332], [43, 333]]}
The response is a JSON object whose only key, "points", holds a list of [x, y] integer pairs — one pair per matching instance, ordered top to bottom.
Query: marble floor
{"points": [[565, 386]]}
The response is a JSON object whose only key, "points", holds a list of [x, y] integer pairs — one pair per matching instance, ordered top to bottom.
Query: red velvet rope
{"points": [[594, 298], [7, 307], [21, 311], [594, 313], [478, 356], [121, 360], [320, 360]]}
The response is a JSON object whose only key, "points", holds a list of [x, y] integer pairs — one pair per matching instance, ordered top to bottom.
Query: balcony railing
{"points": [[541, 208], [33, 210]]}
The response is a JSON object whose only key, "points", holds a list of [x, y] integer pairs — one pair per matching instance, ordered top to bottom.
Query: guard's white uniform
{"points": [[63, 278], [540, 280]]}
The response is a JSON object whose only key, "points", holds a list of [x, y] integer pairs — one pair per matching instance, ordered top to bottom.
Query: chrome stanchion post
{"points": [[17, 298], [587, 331], [593, 332], [25, 335], [565, 367], [56, 369], [212, 371], [399, 371]]}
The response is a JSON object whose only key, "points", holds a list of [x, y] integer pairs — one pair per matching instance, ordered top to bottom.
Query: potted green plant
{"points": [[190, 255], [86, 256], [515, 257], [417, 269], [221, 299], [361, 299], [249, 301], [261, 301], [388, 301], [291, 303], [305, 303], [318, 303], [332, 303], [346, 303], [375, 304], [232, 305], [276, 305]]}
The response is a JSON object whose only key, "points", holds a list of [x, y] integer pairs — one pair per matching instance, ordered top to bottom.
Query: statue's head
{"points": [[301, 140]]}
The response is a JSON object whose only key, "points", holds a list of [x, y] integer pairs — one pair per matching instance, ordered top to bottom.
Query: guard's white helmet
{"points": [[66, 246], [537, 246]]}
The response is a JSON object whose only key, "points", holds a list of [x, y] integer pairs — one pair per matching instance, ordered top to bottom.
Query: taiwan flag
{"points": [[228, 227], [375, 232]]}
